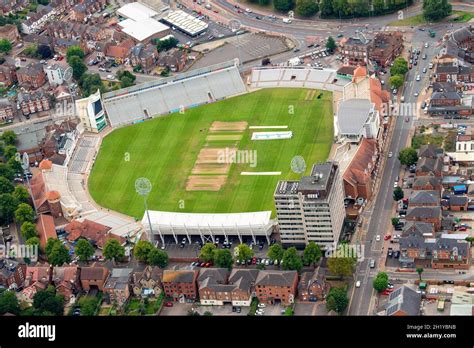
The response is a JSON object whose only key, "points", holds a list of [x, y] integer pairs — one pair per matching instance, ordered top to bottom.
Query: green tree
{"points": [[283, 5], [379, 6], [306, 8], [326, 8], [435, 10], [331, 44], [165, 45], [5, 46], [74, 51], [44, 52], [78, 67], [400, 67], [126, 74], [396, 81], [126, 82], [90, 83], [9, 137], [9, 152], [408, 156], [15, 165], [6, 171], [6, 185], [21, 194], [398, 194], [8, 205], [25, 213], [395, 221], [28, 230], [470, 240], [33, 241], [142, 249], [84, 250], [113, 250], [207, 252], [243, 252], [276, 252], [57, 253], [312, 253], [158, 257], [223, 258], [291, 260], [341, 266], [419, 270], [380, 282], [337, 300], [47, 302], [9, 303], [88, 305]]}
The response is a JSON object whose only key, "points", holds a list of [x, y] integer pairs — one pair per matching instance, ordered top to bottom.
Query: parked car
{"points": [[357, 284], [168, 304], [261, 305]]}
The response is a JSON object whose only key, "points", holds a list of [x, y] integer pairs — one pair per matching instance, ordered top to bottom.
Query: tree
{"points": [[283, 5], [379, 6], [306, 8], [326, 8], [434, 10], [331, 44], [165, 45], [5, 46], [31, 51], [44, 51], [74, 51], [78, 67], [400, 67], [126, 74], [396, 81], [126, 82], [90, 83], [9, 137], [9, 152], [408, 156], [15, 165], [6, 171], [6, 185], [21, 194], [398, 194], [8, 205], [25, 213], [395, 221], [28, 230], [470, 240], [33, 241], [142, 249], [84, 250], [113, 250], [207, 252], [243, 252], [275, 252], [57, 253], [312, 253], [158, 257], [223, 258], [291, 260], [341, 266], [419, 270], [380, 282], [337, 300], [47, 302], [9, 303], [88, 305]]}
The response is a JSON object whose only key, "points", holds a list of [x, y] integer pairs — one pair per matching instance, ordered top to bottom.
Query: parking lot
{"points": [[177, 309], [222, 310]]}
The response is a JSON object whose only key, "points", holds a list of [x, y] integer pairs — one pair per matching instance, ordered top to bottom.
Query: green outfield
{"points": [[165, 151]]}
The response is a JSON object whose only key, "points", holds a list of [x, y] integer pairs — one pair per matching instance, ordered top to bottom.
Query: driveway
{"points": [[305, 308], [177, 309], [222, 310]]}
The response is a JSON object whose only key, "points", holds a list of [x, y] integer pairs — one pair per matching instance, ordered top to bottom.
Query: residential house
{"points": [[84, 11], [35, 21], [9, 32], [36, 39], [459, 45], [385, 47], [354, 50], [119, 53], [145, 57], [174, 59], [453, 72], [55, 74], [7, 75], [31, 76], [33, 102], [450, 103], [7, 112], [429, 166], [359, 177], [429, 182], [424, 198], [458, 203], [425, 214], [415, 227], [94, 232], [12, 275], [94, 277], [65, 279], [147, 282], [244, 282], [181, 285], [276, 286], [117, 287], [312, 287], [213, 288], [403, 302]]}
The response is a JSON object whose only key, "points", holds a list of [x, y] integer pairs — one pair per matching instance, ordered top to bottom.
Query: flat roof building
{"points": [[185, 22]]}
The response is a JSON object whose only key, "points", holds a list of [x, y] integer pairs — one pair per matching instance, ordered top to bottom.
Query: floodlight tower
{"points": [[25, 165], [143, 188]]}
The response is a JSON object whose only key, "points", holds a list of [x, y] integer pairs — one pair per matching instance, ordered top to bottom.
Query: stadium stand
{"points": [[134, 104], [84, 153]]}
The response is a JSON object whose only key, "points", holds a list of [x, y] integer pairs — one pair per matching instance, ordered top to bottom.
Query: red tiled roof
{"points": [[45, 164], [358, 171], [52, 195], [46, 229], [90, 230]]}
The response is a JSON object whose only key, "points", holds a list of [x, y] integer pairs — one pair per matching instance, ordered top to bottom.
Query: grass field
{"points": [[456, 17], [165, 149]]}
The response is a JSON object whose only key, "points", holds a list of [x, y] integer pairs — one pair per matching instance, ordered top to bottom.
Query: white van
{"points": [[286, 20]]}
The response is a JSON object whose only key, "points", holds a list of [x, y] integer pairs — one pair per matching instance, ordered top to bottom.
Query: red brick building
{"points": [[32, 76], [181, 285], [276, 286]]}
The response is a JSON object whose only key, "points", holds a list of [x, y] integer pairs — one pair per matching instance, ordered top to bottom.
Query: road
{"points": [[381, 211]]}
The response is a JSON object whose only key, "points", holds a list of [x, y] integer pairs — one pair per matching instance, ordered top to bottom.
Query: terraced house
{"points": [[276, 286]]}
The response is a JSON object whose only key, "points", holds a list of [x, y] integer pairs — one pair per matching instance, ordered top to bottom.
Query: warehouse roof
{"points": [[185, 22]]}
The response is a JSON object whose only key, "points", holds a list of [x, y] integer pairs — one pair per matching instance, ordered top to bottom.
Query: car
{"points": [[248, 10], [215, 11], [258, 17], [340, 35], [426, 44], [296, 50], [424, 56], [42, 61], [415, 62], [410, 66], [430, 66], [110, 77], [418, 77], [382, 82], [394, 91], [416, 94], [390, 154], [395, 184], [377, 237], [387, 237], [390, 253], [254, 260], [267, 262], [276, 262], [372, 263], [202, 264], [208, 264], [357, 284], [390, 286], [385, 293], [168, 304], [261, 305], [234, 309], [238, 310]]}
